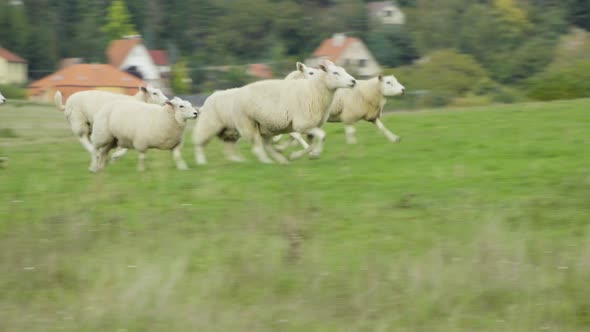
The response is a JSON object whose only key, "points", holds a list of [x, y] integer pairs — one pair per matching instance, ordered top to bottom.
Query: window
{"points": [[389, 13], [362, 63]]}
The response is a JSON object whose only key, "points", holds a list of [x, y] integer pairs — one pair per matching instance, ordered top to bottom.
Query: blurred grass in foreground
{"points": [[477, 221]]}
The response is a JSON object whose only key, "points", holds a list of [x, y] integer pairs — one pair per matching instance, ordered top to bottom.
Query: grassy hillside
{"points": [[477, 221]]}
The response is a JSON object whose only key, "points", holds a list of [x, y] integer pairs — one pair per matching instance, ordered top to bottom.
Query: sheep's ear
{"points": [[328, 63], [300, 67], [323, 68], [380, 78], [143, 89], [169, 103]]}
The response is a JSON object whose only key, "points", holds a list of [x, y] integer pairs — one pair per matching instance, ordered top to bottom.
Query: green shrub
{"points": [[564, 82], [13, 91], [7, 133]]}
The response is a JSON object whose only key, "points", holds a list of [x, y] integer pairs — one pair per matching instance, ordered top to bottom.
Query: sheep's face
{"points": [[307, 72], [336, 77], [390, 86], [153, 96], [2, 99], [183, 110]]}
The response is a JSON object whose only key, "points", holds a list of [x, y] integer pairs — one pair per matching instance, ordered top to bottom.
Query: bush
{"points": [[565, 82], [13, 91]]}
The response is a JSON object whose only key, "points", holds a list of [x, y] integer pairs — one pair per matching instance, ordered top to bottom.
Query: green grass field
{"points": [[478, 221]]}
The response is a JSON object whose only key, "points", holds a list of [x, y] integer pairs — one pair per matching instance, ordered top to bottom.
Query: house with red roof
{"points": [[386, 12], [348, 52], [131, 55], [160, 58], [13, 68], [80, 77]]}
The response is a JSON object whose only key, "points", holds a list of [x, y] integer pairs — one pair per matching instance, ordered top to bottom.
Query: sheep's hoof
{"points": [[397, 139], [314, 155], [236, 159], [182, 167]]}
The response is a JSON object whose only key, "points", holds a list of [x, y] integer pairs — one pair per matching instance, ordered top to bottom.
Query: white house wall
{"points": [[358, 51], [140, 58]]}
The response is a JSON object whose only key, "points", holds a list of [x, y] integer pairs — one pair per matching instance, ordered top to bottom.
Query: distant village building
{"points": [[387, 12], [348, 52], [131, 55], [160, 58], [67, 62], [13, 68], [80, 77]]}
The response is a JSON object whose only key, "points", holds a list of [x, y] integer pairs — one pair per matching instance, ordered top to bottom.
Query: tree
{"points": [[118, 22], [180, 80]]}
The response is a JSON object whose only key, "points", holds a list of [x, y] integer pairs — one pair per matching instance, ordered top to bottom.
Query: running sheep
{"points": [[365, 102], [81, 107], [264, 109], [217, 113], [141, 126]]}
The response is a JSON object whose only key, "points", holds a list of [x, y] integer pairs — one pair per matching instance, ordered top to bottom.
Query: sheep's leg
{"points": [[249, 130], [350, 131], [319, 136], [390, 136], [296, 137], [277, 138], [85, 140], [259, 151], [120, 152], [231, 152], [102, 154], [177, 155], [276, 155], [200, 158], [141, 161]]}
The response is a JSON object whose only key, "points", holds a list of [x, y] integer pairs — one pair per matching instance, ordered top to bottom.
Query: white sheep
{"points": [[302, 71], [2, 99], [365, 102], [81, 107], [265, 109], [217, 111], [141, 126]]}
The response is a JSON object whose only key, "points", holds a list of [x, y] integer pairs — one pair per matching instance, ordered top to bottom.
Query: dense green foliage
{"points": [[496, 32], [566, 82], [476, 221]]}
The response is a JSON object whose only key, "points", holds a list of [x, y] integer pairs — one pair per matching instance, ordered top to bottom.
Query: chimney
{"points": [[338, 39]]}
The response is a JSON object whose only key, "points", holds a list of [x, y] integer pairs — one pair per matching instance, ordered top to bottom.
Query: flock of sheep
{"points": [[260, 112]]}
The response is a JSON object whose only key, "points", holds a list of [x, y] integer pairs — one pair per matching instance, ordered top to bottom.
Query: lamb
{"points": [[2, 99], [365, 102], [81, 107], [265, 109], [141, 126]]}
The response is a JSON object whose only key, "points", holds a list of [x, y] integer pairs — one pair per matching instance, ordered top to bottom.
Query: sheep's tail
{"points": [[58, 101]]}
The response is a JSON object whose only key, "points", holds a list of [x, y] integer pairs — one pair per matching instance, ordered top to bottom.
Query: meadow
{"points": [[479, 220]]}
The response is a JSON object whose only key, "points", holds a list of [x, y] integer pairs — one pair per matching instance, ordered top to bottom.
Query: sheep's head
{"points": [[306, 71], [335, 76], [390, 86], [152, 95], [2, 99], [183, 110]]}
